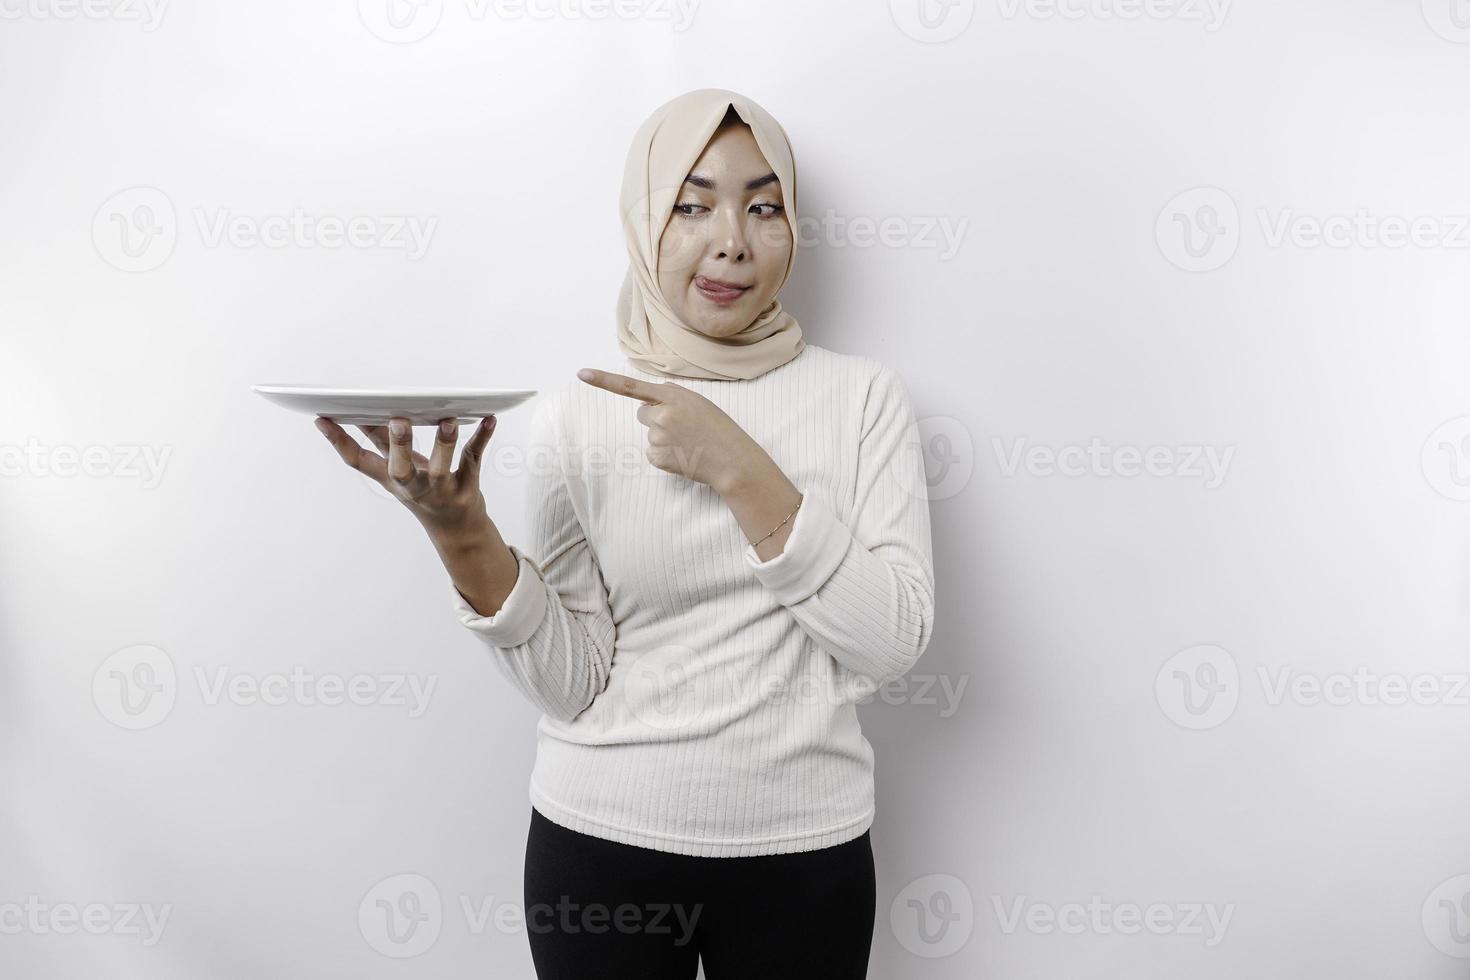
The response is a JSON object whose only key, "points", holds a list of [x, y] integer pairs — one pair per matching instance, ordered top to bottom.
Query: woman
{"points": [[697, 631]]}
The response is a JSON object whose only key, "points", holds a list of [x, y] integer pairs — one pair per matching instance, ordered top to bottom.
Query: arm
{"points": [[864, 593], [553, 635]]}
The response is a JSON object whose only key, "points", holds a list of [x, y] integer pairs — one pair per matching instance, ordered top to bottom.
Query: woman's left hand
{"points": [[687, 433]]}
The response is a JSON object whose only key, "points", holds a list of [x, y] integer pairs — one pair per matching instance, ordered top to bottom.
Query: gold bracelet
{"points": [[783, 521]]}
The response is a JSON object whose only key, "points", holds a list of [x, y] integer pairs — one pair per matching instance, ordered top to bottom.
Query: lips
{"points": [[720, 286]]}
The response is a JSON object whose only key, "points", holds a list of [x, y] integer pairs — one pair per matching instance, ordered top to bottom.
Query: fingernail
{"points": [[585, 374], [321, 426], [397, 426], [446, 428]]}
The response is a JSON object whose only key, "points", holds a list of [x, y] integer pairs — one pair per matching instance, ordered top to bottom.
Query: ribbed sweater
{"points": [[696, 699]]}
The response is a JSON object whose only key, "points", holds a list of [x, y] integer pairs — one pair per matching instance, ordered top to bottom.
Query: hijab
{"points": [[664, 150]]}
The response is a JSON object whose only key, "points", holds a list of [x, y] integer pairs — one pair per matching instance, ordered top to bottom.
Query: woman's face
{"points": [[728, 229]]}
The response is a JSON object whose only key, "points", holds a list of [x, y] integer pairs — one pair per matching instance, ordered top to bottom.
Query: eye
{"points": [[678, 209], [775, 209]]}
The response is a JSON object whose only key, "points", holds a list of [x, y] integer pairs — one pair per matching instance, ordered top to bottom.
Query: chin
{"points": [[714, 321], [711, 328]]}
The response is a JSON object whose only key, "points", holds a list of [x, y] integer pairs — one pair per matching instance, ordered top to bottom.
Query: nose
{"points": [[730, 235]]}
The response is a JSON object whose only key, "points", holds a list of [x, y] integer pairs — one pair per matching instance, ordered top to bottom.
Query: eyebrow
{"points": [[750, 185]]}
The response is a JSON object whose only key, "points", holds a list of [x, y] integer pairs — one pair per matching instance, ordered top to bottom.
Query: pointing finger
{"points": [[621, 384]]}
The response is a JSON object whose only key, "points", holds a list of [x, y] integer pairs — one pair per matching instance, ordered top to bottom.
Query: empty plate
{"points": [[375, 406]]}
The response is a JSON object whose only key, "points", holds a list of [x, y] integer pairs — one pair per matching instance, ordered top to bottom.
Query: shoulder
{"points": [[860, 367], [867, 379], [878, 388]]}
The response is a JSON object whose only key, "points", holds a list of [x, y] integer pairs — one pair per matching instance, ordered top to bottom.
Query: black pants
{"points": [[596, 908]]}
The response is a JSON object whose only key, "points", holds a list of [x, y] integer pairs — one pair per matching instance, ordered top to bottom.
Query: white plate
{"points": [[374, 406]]}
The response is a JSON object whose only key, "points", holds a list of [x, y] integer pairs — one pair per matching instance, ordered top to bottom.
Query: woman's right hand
{"points": [[444, 500], [447, 502]]}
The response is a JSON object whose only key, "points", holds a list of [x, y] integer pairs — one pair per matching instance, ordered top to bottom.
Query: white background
{"points": [[1082, 761]]}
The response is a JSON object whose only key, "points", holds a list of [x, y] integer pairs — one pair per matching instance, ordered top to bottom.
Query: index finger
{"points": [[621, 384]]}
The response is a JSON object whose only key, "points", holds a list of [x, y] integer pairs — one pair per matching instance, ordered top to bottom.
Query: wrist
{"points": [[750, 471], [472, 533]]}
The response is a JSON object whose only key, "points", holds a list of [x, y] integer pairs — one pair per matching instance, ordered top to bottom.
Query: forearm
{"points": [[760, 496], [478, 561], [869, 606], [874, 616], [553, 641]]}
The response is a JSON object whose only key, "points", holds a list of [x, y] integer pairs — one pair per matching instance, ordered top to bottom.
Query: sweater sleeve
{"points": [[865, 593], [553, 636]]}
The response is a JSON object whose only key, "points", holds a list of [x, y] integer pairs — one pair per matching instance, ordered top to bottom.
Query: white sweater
{"points": [[696, 699]]}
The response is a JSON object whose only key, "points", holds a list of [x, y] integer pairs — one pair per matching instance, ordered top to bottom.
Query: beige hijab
{"points": [[663, 152]]}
